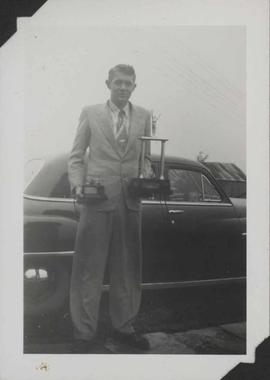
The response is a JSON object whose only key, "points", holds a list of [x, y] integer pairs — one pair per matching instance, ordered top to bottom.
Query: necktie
{"points": [[120, 120], [121, 131]]}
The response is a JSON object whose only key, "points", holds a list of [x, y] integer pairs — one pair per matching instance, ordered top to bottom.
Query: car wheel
{"points": [[46, 286]]}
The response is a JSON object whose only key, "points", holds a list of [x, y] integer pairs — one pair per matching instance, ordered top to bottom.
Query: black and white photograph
{"points": [[142, 184], [153, 234]]}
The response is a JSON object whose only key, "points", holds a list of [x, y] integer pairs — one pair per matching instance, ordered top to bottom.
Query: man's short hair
{"points": [[125, 69]]}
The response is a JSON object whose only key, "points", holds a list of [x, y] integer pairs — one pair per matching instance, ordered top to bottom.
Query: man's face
{"points": [[121, 87]]}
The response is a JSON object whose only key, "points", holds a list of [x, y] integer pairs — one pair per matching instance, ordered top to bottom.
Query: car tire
{"points": [[45, 295]]}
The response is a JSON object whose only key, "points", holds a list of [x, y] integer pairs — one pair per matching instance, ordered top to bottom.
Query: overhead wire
{"points": [[196, 82]]}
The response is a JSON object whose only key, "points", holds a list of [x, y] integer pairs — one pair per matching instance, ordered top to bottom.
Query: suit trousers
{"points": [[110, 238]]}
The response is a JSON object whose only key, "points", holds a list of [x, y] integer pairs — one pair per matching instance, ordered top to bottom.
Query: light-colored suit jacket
{"points": [[104, 161]]}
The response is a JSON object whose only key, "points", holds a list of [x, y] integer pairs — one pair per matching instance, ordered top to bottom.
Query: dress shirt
{"points": [[114, 112]]}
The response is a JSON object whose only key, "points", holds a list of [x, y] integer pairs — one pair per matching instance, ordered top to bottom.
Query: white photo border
{"points": [[251, 14]]}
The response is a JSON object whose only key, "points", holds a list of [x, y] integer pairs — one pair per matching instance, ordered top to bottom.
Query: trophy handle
{"points": [[144, 139], [143, 142], [162, 159]]}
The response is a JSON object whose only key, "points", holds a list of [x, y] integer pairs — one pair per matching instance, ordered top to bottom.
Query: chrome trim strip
{"points": [[47, 199], [151, 202], [186, 203], [206, 203], [244, 234], [60, 253], [186, 284]]}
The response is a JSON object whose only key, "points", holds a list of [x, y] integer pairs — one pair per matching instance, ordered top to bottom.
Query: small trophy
{"points": [[151, 187], [93, 191]]}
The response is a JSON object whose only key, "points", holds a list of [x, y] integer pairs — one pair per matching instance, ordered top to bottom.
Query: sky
{"points": [[194, 77]]}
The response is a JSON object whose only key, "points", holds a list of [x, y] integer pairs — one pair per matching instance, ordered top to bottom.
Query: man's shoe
{"points": [[134, 340]]}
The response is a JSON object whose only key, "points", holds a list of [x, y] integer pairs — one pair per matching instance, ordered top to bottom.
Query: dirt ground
{"points": [[193, 321], [224, 339]]}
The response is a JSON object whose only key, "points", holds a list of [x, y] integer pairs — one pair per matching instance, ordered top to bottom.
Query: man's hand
{"points": [[78, 193]]}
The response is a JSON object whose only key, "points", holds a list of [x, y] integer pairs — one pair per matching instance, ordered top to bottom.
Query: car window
{"points": [[31, 169], [151, 171], [51, 181], [191, 186], [209, 191]]}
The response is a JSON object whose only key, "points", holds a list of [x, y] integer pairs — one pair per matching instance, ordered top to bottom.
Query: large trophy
{"points": [[142, 186]]}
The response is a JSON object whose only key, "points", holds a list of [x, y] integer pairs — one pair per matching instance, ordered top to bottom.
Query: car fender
{"points": [[52, 233]]}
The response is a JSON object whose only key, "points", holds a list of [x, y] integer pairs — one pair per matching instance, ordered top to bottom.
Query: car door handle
{"points": [[173, 212]]}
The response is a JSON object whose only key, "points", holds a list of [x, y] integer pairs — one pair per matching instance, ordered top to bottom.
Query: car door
{"points": [[202, 233], [155, 234]]}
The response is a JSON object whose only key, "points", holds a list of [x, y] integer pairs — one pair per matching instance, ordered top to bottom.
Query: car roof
{"points": [[154, 157], [55, 164], [226, 171]]}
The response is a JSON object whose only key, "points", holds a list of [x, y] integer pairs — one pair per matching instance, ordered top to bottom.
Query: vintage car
{"points": [[195, 237]]}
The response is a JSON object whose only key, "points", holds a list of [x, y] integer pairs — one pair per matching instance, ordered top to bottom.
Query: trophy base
{"points": [[150, 187]]}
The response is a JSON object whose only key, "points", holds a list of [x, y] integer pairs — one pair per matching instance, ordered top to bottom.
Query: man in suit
{"points": [[109, 230]]}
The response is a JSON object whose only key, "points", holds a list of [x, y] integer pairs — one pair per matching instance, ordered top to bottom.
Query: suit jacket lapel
{"points": [[106, 126]]}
